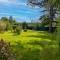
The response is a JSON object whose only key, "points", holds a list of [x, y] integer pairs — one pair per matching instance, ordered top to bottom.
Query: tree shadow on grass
{"points": [[43, 37], [45, 40], [42, 43], [18, 49], [24, 53], [31, 53]]}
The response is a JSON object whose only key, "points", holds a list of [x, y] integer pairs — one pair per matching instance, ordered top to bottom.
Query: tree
{"points": [[51, 6], [4, 19], [10, 19], [45, 20], [12, 22], [24, 25], [2, 26], [18, 30]]}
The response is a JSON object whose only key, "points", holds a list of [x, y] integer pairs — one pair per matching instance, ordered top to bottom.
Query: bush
{"points": [[24, 25], [18, 30], [25, 30], [5, 51]]}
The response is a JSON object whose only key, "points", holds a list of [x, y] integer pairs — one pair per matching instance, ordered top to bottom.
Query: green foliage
{"points": [[4, 19], [11, 19], [45, 20], [9, 22], [24, 25], [2, 26], [8, 26], [17, 29], [25, 30], [58, 30], [58, 36], [49, 53]]}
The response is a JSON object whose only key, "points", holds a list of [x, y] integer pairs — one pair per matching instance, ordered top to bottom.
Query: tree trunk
{"points": [[51, 19], [50, 26]]}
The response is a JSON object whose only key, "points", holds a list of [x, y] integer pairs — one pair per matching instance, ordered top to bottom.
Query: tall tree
{"points": [[51, 6], [5, 19], [11, 19]]}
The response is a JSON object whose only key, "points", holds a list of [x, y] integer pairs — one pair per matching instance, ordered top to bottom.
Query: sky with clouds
{"points": [[19, 10]]}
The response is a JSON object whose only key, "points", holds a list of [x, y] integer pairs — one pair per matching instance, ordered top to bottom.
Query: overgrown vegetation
{"points": [[5, 51]]}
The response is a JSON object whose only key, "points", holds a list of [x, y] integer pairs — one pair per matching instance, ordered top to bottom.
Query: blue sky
{"points": [[19, 10]]}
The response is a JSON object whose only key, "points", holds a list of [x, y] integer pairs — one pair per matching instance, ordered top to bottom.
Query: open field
{"points": [[30, 35], [32, 45]]}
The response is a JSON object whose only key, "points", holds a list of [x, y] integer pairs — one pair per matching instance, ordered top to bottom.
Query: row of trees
{"points": [[9, 24]]}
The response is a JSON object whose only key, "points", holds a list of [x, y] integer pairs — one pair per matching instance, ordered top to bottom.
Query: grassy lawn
{"points": [[29, 36], [25, 37], [29, 45]]}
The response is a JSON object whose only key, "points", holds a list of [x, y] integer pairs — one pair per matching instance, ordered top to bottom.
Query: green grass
{"points": [[29, 36], [25, 37], [32, 45]]}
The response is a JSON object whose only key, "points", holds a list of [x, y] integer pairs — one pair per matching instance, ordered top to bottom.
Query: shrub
{"points": [[24, 25], [25, 29], [18, 30], [5, 51]]}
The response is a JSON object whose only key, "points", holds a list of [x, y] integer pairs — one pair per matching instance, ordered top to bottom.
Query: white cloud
{"points": [[4, 1], [13, 2], [4, 13]]}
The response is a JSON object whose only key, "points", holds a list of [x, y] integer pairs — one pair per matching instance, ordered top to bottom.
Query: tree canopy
{"points": [[50, 6]]}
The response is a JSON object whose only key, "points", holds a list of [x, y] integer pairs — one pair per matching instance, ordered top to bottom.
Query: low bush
{"points": [[18, 30], [25, 30], [5, 51]]}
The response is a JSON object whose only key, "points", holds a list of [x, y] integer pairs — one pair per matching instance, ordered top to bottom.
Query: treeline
{"points": [[9, 24], [16, 27]]}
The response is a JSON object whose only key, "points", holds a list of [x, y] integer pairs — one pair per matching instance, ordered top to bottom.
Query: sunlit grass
{"points": [[26, 37], [30, 44]]}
